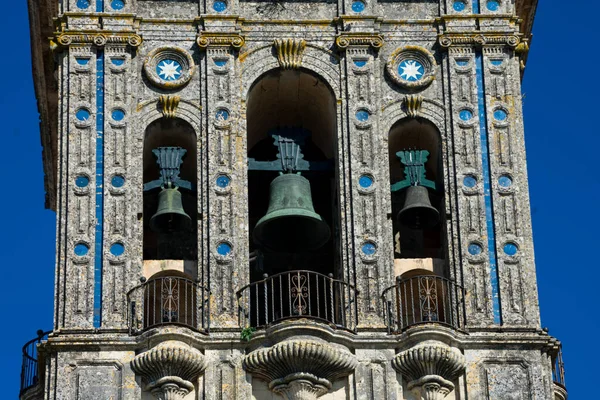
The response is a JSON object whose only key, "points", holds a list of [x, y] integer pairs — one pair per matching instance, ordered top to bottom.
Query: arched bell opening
{"points": [[292, 190], [417, 195], [170, 198]]}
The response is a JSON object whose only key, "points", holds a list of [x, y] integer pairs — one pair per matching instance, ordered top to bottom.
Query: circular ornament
{"points": [[169, 67], [411, 67]]}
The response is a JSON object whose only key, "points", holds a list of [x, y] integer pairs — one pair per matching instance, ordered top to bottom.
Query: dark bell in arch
{"points": [[418, 213], [170, 216], [291, 223]]}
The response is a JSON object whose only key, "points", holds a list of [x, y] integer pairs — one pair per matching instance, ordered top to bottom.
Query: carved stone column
{"points": [[430, 368], [169, 369], [300, 369]]}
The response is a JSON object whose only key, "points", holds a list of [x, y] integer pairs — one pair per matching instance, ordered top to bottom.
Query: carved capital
{"points": [[96, 38], [220, 39], [345, 40], [447, 40], [289, 52], [168, 105], [430, 367], [169, 369], [300, 369]]}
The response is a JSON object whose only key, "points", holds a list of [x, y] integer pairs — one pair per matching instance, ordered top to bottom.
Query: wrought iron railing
{"points": [[298, 294], [168, 300], [422, 300], [558, 368], [30, 371]]}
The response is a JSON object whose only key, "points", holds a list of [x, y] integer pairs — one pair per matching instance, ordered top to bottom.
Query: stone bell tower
{"points": [[292, 199]]}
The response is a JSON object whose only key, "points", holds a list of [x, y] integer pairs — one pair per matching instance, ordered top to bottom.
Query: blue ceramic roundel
{"points": [[117, 4], [493, 5], [219, 6], [358, 6], [459, 6], [168, 70], [411, 70], [82, 114], [118, 114], [362, 115], [465, 115], [82, 181], [117, 181], [223, 181], [365, 181], [470, 181], [505, 181], [369, 248], [81, 249], [117, 249], [223, 249], [474, 249], [510, 249]]}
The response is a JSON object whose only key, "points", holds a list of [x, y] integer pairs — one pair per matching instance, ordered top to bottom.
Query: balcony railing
{"points": [[298, 294], [423, 300], [168, 301], [558, 368], [30, 372]]}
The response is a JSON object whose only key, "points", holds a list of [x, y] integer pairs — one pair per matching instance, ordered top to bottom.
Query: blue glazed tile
{"points": [[83, 4], [117, 4], [492, 5], [219, 6], [358, 6], [459, 6], [82, 60], [117, 61], [462, 62], [496, 62], [220, 63], [360, 63], [168, 70], [411, 70], [82, 114], [118, 114], [222, 114], [362, 115], [465, 115], [500, 115], [82, 181], [117, 181], [223, 181], [365, 181], [470, 181], [505, 181], [369, 248], [81, 249], [117, 249], [224, 249], [475, 249], [510, 249]]}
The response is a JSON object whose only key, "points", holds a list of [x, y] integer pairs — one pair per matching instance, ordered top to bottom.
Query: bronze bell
{"points": [[417, 212], [170, 216], [291, 223]]}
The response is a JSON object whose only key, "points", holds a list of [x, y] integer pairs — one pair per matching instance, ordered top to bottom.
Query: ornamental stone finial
{"points": [[430, 367], [169, 369], [300, 369]]}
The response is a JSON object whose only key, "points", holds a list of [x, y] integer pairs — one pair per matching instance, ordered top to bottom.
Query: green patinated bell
{"points": [[417, 212], [170, 216], [291, 223]]}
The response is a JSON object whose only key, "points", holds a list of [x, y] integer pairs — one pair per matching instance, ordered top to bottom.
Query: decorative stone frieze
{"points": [[344, 40], [289, 52], [430, 367], [169, 369], [300, 369]]}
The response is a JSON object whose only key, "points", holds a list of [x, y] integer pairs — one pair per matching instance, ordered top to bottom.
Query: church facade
{"points": [[292, 199]]}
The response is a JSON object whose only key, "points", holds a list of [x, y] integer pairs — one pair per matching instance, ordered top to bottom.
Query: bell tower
{"points": [[288, 200]]}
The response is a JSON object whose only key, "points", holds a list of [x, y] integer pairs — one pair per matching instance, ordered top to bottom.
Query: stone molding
{"points": [[98, 38], [222, 39], [345, 40], [447, 40], [430, 367], [169, 369], [300, 369]]}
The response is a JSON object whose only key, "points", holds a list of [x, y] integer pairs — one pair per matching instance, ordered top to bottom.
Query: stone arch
{"points": [[259, 61], [431, 111]]}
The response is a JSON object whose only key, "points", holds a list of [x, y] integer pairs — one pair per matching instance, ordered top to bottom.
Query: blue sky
{"points": [[563, 142]]}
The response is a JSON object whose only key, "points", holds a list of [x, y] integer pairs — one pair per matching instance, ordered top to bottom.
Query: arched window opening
{"points": [[416, 180], [170, 198], [292, 200]]}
